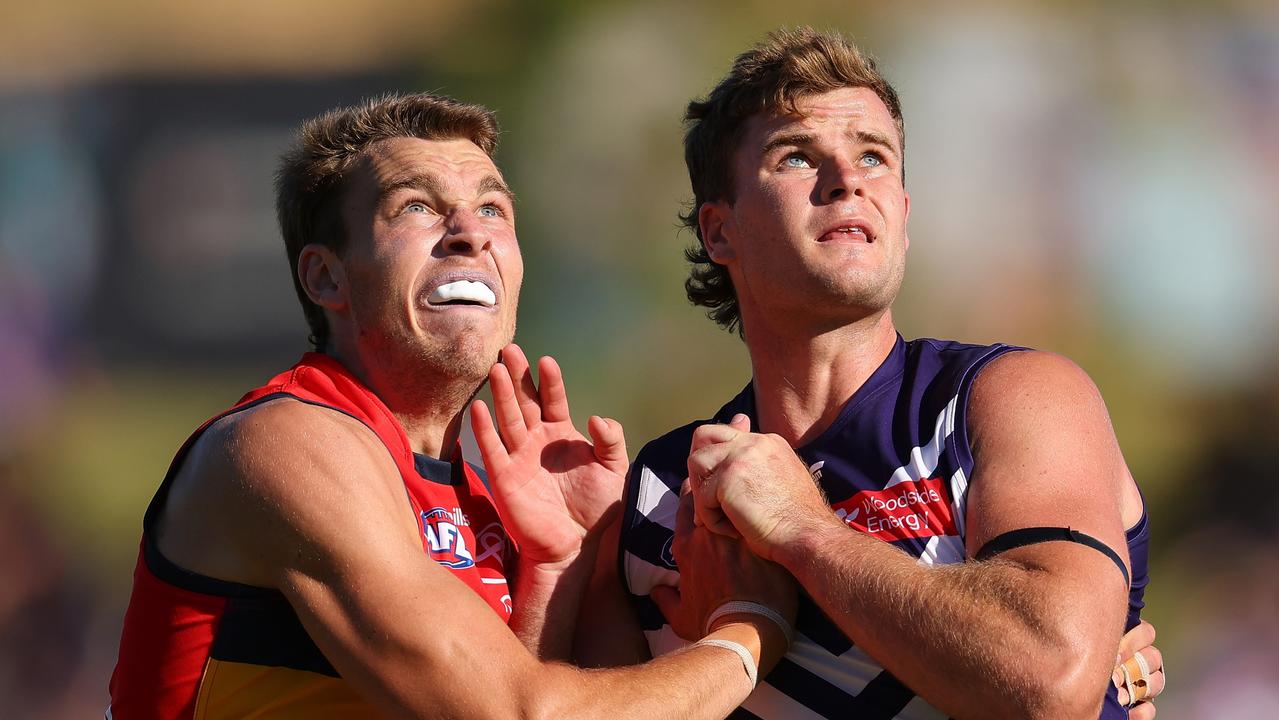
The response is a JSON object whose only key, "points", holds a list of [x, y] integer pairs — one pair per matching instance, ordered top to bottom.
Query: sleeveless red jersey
{"points": [[197, 647]]}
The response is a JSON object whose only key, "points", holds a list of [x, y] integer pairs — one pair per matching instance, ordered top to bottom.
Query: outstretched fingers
{"points": [[524, 389], [554, 399], [506, 406], [609, 441], [492, 450]]}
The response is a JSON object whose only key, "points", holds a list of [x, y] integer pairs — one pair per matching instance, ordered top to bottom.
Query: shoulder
{"points": [[1032, 381], [1040, 413], [283, 445], [267, 480]]}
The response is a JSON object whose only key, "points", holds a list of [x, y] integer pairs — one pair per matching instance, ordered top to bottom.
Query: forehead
{"points": [[836, 111], [451, 161]]}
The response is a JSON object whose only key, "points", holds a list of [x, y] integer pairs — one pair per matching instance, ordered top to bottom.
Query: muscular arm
{"points": [[306, 500], [1031, 633]]}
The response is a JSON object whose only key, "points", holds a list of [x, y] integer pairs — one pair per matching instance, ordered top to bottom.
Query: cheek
{"points": [[772, 205], [510, 262]]}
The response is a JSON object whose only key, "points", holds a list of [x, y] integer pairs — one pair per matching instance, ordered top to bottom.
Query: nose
{"points": [[842, 178], [463, 233]]}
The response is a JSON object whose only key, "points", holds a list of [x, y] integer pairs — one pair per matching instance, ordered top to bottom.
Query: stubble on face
{"points": [[798, 175], [440, 356]]}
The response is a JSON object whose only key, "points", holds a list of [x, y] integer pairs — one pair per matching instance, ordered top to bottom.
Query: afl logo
{"points": [[445, 542]]}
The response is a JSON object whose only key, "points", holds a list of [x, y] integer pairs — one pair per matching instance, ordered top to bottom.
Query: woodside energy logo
{"points": [[910, 509]]}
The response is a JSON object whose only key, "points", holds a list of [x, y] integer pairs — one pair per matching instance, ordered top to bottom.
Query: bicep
{"points": [[1044, 455], [336, 533]]}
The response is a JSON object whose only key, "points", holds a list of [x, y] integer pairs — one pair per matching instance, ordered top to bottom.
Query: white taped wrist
{"points": [[750, 608], [748, 660]]}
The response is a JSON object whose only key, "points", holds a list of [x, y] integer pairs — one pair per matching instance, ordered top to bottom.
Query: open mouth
{"points": [[851, 232], [463, 292]]}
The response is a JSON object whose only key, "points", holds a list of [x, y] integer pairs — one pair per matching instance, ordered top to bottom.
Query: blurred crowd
{"points": [[1096, 180]]}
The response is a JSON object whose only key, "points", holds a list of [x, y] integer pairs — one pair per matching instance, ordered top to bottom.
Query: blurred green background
{"points": [[1097, 179]]}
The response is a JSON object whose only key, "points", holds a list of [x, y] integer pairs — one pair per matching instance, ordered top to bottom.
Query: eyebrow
{"points": [[867, 137], [870, 137], [791, 140], [493, 183], [431, 185]]}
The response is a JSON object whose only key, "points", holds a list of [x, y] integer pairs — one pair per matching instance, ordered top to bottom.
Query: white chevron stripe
{"points": [[923, 459], [655, 501], [959, 502], [942, 550], [642, 575], [849, 672], [769, 702]]}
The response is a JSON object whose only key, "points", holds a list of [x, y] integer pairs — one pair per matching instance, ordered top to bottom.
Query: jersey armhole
{"points": [[959, 444]]}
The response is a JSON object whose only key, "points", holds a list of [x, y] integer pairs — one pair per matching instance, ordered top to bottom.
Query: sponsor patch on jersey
{"points": [[912, 509], [444, 539]]}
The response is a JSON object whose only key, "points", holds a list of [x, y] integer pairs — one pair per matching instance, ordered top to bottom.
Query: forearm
{"points": [[547, 600], [608, 632], [1010, 637], [697, 682]]}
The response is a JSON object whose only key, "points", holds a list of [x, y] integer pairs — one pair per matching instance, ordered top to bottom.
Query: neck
{"points": [[803, 379], [427, 404], [432, 433]]}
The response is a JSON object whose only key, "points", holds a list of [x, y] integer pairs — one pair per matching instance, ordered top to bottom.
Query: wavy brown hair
{"points": [[769, 78]]}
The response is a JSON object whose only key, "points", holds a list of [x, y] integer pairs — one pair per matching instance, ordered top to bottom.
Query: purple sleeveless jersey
{"points": [[895, 464]]}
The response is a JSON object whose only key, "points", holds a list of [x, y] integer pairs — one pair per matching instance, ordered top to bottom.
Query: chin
{"points": [[468, 358]]}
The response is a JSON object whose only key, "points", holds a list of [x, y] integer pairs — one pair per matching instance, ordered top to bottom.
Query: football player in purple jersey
{"points": [[1014, 602]]}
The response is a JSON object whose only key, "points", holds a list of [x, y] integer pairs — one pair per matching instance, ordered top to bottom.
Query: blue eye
{"points": [[873, 159], [795, 160], [416, 207], [490, 211]]}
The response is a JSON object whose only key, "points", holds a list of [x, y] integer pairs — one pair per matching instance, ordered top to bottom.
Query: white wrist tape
{"points": [[750, 608], [748, 660]]}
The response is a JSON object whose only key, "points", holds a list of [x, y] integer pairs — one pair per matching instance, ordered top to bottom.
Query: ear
{"points": [[719, 231], [322, 276]]}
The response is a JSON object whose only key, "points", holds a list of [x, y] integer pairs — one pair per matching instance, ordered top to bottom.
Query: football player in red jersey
{"points": [[321, 549]]}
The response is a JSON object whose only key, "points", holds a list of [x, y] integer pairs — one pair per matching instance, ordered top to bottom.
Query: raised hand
{"points": [[551, 484], [752, 486]]}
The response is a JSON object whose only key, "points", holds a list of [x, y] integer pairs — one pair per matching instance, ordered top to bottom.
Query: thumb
{"points": [[740, 421], [610, 443]]}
